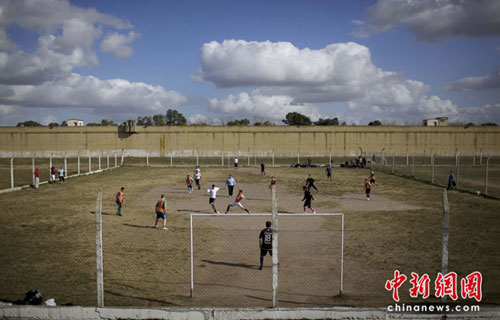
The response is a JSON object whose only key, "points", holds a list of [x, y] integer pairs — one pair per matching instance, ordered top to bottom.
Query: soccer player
{"points": [[236, 163], [262, 169], [328, 172], [197, 177], [372, 177], [189, 182], [230, 182], [310, 183], [272, 185], [367, 187], [212, 195], [308, 197], [119, 201], [237, 202], [161, 209], [266, 242]]}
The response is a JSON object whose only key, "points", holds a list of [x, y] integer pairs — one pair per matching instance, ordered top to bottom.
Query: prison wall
{"points": [[265, 140]]}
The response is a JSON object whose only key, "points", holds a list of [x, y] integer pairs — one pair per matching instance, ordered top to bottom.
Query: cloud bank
{"points": [[431, 20], [67, 37], [286, 78], [489, 81]]}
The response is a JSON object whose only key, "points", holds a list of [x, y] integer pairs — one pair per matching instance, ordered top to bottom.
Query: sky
{"points": [[397, 61]]}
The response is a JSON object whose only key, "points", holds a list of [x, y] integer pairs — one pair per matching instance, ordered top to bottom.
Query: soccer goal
{"points": [[225, 261]]}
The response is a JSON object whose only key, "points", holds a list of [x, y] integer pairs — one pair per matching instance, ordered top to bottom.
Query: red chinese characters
{"points": [[395, 283], [420, 285], [446, 285], [471, 286]]}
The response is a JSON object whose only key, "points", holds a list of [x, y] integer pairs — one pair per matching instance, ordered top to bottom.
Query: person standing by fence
{"points": [[236, 163], [262, 169], [53, 174], [61, 175], [37, 178], [451, 181], [119, 201]]}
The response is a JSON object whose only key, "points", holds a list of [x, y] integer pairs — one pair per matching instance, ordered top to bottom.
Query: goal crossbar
{"points": [[214, 215]]}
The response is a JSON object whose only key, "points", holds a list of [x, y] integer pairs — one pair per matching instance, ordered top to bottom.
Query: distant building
{"points": [[436, 122], [74, 123]]}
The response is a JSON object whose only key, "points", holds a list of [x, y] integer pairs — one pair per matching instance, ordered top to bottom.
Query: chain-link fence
{"points": [[477, 174], [226, 260]]}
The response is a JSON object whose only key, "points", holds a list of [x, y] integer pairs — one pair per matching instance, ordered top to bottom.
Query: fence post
{"points": [[99, 154], [123, 155], [481, 156], [273, 157], [298, 157], [425, 157], [456, 157], [147, 158], [407, 158], [171, 159], [222, 159], [248, 159], [474, 159], [116, 160], [197, 160], [330, 160], [107, 161], [90, 163], [393, 163], [78, 164], [432, 164], [66, 165], [413, 165], [458, 167], [50, 168], [33, 170], [12, 172], [486, 177], [446, 219], [98, 222], [275, 247], [341, 254], [192, 269]]}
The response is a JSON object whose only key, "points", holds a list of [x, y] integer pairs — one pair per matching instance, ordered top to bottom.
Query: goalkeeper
{"points": [[266, 242]]}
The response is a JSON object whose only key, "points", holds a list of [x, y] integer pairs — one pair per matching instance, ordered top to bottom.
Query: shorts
{"points": [[53, 177], [61, 178], [197, 181], [372, 181], [190, 187], [368, 192], [211, 200], [119, 204], [237, 204], [307, 204], [161, 215], [264, 251]]}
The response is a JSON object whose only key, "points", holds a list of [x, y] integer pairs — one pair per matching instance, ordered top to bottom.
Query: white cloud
{"points": [[432, 20], [66, 37], [119, 44], [288, 79], [489, 81], [98, 95], [273, 108], [480, 114], [49, 119]]}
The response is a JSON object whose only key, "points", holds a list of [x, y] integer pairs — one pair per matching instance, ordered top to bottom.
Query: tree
{"points": [[175, 118], [296, 119], [159, 120], [144, 121], [106, 122], [242, 122], [327, 122], [29, 123], [265, 123], [375, 123], [53, 124], [64, 124], [93, 124], [489, 124]]}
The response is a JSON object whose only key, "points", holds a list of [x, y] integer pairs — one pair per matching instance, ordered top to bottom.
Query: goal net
{"points": [[225, 260]]}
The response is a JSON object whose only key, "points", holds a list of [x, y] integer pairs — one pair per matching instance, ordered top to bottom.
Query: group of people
{"points": [[53, 172]]}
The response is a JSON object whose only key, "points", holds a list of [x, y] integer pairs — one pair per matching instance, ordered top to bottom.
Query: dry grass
{"points": [[48, 235]]}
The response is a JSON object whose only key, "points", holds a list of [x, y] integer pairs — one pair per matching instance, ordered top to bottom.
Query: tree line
{"points": [[175, 118]]}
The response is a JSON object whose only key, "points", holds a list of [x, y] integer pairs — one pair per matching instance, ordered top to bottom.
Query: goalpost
{"points": [[193, 216]]}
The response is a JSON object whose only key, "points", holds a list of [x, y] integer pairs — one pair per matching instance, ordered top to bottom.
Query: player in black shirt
{"points": [[310, 183], [307, 199], [266, 242]]}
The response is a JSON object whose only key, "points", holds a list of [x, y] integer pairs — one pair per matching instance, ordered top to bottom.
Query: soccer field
{"points": [[47, 240]]}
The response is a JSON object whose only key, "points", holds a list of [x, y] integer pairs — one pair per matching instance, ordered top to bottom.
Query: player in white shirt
{"points": [[197, 177], [212, 195]]}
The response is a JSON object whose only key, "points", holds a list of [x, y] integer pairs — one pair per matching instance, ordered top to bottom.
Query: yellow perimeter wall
{"points": [[282, 140]]}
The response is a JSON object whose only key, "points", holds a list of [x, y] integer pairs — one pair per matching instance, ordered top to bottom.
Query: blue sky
{"points": [[396, 61]]}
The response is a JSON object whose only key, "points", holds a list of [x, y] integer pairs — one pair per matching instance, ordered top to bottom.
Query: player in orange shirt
{"points": [[189, 182], [367, 187], [237, 202]]}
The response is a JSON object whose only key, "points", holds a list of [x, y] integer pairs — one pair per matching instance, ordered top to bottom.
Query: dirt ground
{"points": [[52, 246]]}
